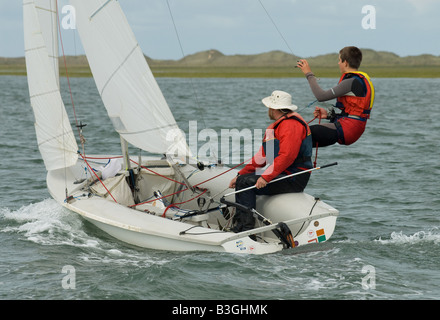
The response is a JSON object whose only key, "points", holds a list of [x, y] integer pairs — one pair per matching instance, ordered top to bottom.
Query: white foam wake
{"points": [[46, 223], [432, 235]]}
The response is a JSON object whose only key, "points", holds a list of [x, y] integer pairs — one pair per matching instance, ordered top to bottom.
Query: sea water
{"points": [[386, 244]]}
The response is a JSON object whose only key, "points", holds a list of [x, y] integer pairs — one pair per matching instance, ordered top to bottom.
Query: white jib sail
{"points": [[131, 95], [55, 138]]}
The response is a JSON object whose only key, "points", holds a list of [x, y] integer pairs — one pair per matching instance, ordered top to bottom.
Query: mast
{"points": [[125, 154]]}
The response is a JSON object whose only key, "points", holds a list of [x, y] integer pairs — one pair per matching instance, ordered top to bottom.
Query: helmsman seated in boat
{"points": [[286, 149]]}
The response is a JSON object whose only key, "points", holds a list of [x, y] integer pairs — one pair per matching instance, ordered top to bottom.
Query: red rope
{"points": [[312, 120], [316, 147], [118, 157], [103, 158], [91, 169], [165, 177], [198, 184], [172, 194], [168, 195], [175, 204], [170, 206]]}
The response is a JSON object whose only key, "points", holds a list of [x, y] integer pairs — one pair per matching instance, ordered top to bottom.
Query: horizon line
{"points": [[246, 54]]}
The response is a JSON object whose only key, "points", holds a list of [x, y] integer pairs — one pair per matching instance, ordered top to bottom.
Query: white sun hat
{"points": [[279, 100]]}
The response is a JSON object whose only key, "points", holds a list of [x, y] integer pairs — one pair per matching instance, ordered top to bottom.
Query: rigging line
{"points": [[276, 27], [54, 31], [54, 54], [65, 67], [191, 80], [307, 106], [78, 126], [317, 144], [240, 148], [156, 173], [222, 173], [96, 175], [196, 185], [175, 204], [310, 213]]}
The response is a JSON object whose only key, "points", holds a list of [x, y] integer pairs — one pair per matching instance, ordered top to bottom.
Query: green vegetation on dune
{"points": [[275, 64], [13, 70], [249, 72], [289, 72]]}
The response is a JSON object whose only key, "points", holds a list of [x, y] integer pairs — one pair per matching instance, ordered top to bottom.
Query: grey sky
{"points": [[310, 28]]}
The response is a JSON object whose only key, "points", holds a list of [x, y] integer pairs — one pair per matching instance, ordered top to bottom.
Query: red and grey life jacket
{"points": [[357, 106], [304, 159]]}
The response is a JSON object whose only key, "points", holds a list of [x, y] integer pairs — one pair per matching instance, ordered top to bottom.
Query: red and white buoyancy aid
{"points": [[357, 106]]}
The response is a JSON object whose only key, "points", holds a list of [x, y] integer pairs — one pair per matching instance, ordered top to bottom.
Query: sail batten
{"points": [[45, 9], [99, 9], [37, 48], [117, 69], [40, 94], [152, 130]]}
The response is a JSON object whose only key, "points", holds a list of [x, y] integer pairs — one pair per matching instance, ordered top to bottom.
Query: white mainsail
{"points": [[131, 95], [55, 138]]}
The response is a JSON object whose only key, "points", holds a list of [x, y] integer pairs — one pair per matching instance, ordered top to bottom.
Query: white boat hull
{"points": [[128, 204], [139, 225]]}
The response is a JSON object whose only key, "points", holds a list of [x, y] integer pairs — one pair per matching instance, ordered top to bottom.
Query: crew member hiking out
{"points": [[354, 97], [286, 149]]}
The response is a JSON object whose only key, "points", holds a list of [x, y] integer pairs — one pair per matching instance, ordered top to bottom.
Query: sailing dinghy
{"points": [[152, 202]]}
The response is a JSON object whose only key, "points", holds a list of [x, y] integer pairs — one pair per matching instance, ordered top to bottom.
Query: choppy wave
{"points": [[387, 199], [46, 223], [429, 236]]}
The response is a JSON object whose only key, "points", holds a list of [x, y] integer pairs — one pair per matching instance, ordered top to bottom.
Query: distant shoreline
{"points": [[273, 64], [248, 72]]}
